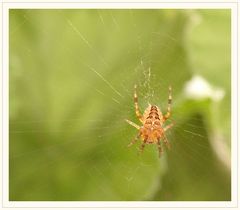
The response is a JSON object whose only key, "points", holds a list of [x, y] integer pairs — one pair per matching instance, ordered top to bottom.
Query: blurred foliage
{"points": [[210, 55], [72, 74]]}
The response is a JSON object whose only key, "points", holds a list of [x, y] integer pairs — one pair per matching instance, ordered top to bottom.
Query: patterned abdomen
{"points": [[152, 117], [152, 128]]}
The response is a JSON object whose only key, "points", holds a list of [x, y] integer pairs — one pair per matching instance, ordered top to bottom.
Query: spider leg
{"points": [[139, 115], [167, 115], [132, 124], [168, 126], [134, 140], [166, 142], [142, 146], [159, 148]]}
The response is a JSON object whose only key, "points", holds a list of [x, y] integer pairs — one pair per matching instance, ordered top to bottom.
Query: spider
{"points": [[152, 130]]}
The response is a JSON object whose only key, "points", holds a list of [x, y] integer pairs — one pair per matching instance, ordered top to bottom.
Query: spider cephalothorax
{"points": [[152, 130]]}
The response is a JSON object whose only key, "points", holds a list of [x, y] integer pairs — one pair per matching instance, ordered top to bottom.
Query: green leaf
{"points": [[210, 50], [200, 159]]}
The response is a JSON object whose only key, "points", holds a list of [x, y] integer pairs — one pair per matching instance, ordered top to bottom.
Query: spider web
{"points": [[75, 135]]}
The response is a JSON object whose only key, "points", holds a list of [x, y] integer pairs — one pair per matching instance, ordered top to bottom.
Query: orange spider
{"points": [[152, 130]]}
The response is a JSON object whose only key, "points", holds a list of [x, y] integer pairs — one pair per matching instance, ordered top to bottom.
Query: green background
{"points": [[72, 74]]}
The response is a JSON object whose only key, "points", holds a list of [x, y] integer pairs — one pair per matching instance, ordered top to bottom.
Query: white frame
{"points": [[154, 204]]}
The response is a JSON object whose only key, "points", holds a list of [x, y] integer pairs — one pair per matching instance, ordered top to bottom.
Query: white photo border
{"points": [[233, 6]]}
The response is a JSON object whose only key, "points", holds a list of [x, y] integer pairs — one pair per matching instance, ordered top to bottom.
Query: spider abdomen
{"points": [[152, 115], [152, 128]]}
